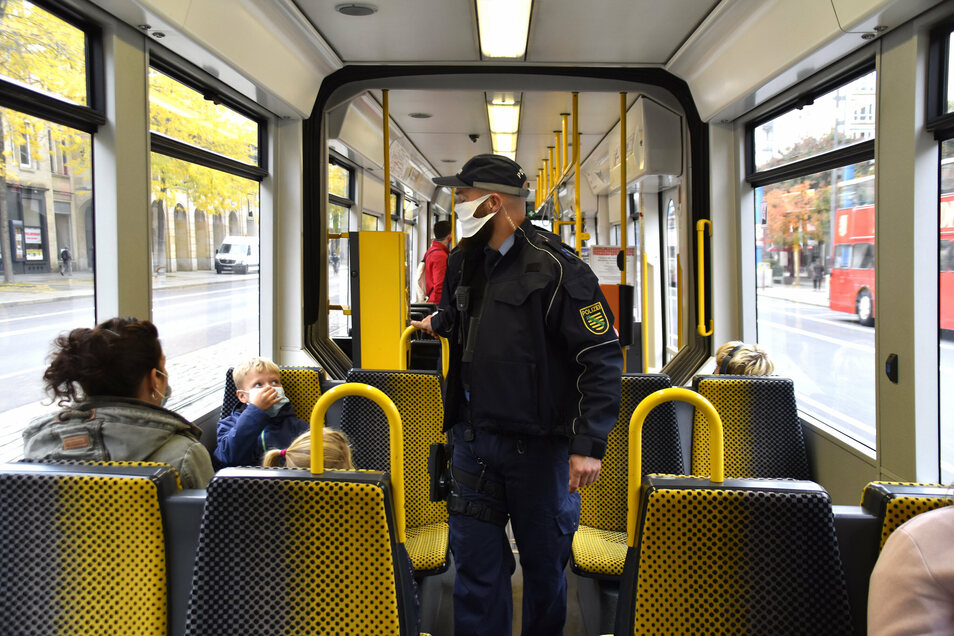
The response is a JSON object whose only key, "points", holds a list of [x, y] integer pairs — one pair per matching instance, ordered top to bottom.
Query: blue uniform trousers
{"points": [[544, 516]]}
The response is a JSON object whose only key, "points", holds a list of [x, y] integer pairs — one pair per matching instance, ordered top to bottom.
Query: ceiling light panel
{"points": [[503, 27], [504, 118]]}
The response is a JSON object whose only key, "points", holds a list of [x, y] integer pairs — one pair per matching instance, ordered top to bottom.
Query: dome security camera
{"points": [[474, 137]]}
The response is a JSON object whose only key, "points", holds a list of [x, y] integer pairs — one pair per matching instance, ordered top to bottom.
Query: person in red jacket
{"points": [[435, 261]]}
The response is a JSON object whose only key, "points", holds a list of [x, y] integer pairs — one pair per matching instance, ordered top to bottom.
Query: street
{"points": [[188, 319], [831, 359]]}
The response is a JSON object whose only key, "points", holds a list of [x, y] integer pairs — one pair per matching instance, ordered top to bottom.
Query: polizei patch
{"points": [[595, 318]]}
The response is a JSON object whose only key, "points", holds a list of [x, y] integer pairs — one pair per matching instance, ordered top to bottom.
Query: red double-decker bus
{"points": [[852, 268]]}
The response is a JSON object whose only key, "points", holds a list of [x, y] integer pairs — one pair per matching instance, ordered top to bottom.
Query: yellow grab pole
{"points": [[566, 142], [560, 159], [387, 160], [576, 173], [546, 178], [453, 218], [623, 221], [701, 283], [406, 343], [397, 440], [716, 452]]}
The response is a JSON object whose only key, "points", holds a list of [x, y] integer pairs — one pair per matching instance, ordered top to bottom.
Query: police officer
{"points": [[531, 394]]}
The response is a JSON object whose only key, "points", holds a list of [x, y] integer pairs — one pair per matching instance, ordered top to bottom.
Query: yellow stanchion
{"points": [[623, 221], [701, 282], [406, 343], [396, 433], [716, 449]]}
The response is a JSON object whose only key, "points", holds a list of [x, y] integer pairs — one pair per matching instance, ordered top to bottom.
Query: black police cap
{"points": [[489, 172]]}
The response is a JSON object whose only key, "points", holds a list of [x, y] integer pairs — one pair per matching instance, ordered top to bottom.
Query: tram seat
{"points": [[302, 387], [417, 396], [763, 435], [896, 502], [599, 545], [83, 547], [285, 551], [740, 557]]}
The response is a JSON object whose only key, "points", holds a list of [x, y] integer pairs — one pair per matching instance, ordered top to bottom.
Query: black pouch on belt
{"points": [[438, 466]]}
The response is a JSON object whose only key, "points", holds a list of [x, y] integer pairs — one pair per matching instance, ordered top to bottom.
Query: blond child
{"points": [[264, 418], [298, 453]]}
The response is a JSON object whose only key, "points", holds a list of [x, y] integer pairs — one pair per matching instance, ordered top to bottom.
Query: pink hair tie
{"points": [[283, 452]]}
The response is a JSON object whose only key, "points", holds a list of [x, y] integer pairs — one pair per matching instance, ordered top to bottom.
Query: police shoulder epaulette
{"points": [[558, 247]]}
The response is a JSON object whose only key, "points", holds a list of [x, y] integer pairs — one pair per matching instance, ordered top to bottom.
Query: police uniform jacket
{"points": [[546, 359]]}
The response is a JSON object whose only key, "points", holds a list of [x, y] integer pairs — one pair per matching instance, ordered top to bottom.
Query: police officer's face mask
{"points": [[469, 224]]}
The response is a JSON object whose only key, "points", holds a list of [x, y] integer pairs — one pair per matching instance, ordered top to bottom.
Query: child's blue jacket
{"points": [[247, 432]]}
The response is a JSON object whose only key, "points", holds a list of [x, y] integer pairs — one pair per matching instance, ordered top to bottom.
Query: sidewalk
{"points": [[41, 288], [797, 294]]}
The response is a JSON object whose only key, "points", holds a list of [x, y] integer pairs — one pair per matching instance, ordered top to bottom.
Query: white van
{"points": [[238, 254]]}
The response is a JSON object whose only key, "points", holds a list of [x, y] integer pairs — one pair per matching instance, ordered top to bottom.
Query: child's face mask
{"points": [[277, 406]]}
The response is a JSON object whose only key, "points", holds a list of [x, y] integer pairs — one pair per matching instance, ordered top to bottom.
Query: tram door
{"points": [[670, 270]]}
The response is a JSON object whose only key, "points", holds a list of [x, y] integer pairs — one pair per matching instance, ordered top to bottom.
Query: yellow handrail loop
{"points": [[406, 342], [397, 440], [716, 450]]}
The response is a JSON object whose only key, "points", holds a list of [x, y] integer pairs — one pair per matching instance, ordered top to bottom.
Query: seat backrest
{"points": [[302, 387], [417, 396], [762, 433], [896, 502], [603, 505], [82, 548], [284, 551], [740, 557]]}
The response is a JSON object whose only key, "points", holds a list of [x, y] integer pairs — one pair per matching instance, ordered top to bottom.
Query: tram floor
{"points": [[445, 619]]}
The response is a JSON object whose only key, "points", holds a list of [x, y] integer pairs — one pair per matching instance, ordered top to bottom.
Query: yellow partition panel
{"points": [[380, 313]]}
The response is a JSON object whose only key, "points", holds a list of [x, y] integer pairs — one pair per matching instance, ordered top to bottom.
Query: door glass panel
{"points": [[339, 291]]}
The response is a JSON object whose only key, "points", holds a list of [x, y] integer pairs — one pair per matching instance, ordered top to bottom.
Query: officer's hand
{"points": [[424, 325], [265, 398], [583, 471]]}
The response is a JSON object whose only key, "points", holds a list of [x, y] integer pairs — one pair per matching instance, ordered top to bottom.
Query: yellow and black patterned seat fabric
{"points": [[302, 387], [417, 396], [762, 433], [896, 502], [599, 545], [82, 549], [284, 552], [743, 557]]}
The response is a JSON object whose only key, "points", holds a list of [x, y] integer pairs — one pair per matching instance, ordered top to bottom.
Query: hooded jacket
{"points": [[545, 358], [121, 429], [248, 431]]}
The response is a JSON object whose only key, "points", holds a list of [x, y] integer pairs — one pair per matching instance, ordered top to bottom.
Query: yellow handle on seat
{"points": [[700, 253], [406, 343], [396, 434], [716, 451]]}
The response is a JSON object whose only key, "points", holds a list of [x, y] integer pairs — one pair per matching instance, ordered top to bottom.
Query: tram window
{"points": [[44, 52], [950, 75], [182, 113], [834, 120], [197, 214], [370, 221], [48, 264], [822, 275], [339, 291], [946, 317]]}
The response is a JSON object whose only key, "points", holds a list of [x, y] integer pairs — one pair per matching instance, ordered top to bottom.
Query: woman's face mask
{"points": [[470, 225]]}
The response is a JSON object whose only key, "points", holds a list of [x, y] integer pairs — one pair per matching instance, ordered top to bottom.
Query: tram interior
{"points": [[634, 124]]}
